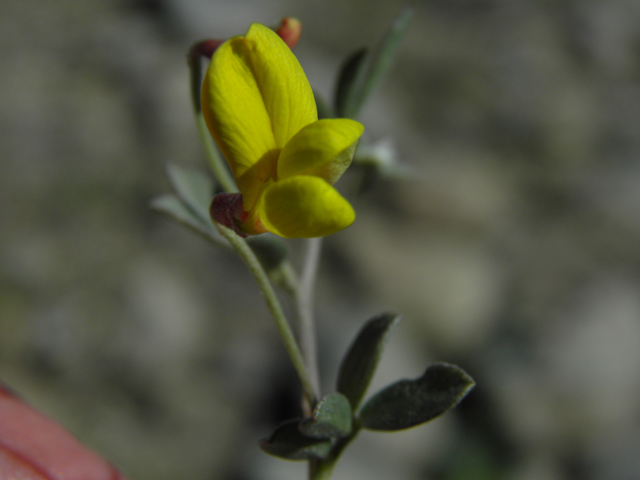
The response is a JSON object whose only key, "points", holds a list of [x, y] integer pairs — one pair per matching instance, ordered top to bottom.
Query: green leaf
{"points": [[364, 70], [345, 86], [194, 188], [172, 207], [360, 362], [408, 403], [330, 418], [288, 442]]}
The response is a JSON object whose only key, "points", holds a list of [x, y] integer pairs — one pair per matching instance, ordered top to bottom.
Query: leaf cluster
{"points": [[338, 417]]}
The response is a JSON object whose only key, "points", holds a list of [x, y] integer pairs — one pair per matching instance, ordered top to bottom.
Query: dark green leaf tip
{"points": [[363, 71], [347, 82], [361, 360], [408, 403], [330, 418], [289, 443]]}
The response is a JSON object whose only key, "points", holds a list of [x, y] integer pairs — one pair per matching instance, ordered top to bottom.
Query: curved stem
{"points": [[215, 160], [304, 303], [273, 304]]}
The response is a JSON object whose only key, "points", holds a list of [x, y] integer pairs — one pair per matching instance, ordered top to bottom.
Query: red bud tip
{"points": [[290, 30], [205, 48]]}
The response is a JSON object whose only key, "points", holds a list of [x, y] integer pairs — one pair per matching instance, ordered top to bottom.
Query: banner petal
{"points": [[255, 97]]}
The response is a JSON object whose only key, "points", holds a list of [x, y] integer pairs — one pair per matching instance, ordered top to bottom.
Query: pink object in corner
{"points": [[32, 447]]}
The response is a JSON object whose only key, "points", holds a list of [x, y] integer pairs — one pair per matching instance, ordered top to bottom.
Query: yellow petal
{"points": [[286, 92], [255, 97], [235, 113], [323, 149], [303, 207]]}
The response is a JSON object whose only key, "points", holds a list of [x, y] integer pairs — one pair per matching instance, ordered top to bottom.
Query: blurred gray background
{"points": [[514, 251]]}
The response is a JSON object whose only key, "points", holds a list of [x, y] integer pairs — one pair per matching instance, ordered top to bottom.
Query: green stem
{"points": [[215, 160], [304, 303], [273, 304], [322, 469]]}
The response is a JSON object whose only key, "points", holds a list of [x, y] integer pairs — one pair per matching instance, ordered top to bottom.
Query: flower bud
{"points": [[290, 30], [205, 48], [260, 110]]}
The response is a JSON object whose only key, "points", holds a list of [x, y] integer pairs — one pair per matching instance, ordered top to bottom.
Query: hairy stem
{"points": [[215, 160], [304, 303], [273, 304], [322, 469]]}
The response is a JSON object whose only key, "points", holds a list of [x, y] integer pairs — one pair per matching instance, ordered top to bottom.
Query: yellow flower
{"points": [[260, 110]]}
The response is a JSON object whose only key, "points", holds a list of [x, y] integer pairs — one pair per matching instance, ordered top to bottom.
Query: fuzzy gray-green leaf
{"points": [[364, 71], [347, 85], [194, 188], [171, 206], [360, 362], [408, 403], [330, 418], [288, 442]]}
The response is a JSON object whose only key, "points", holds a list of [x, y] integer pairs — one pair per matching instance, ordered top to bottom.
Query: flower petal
{"points": [[286, 92], [255, 97], [235, 113], [322, 149], [304, 206]]}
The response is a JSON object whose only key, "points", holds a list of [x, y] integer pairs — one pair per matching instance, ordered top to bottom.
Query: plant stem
{"points": [[215, 160], [304, 303], [273, 304], [320, 470]]}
